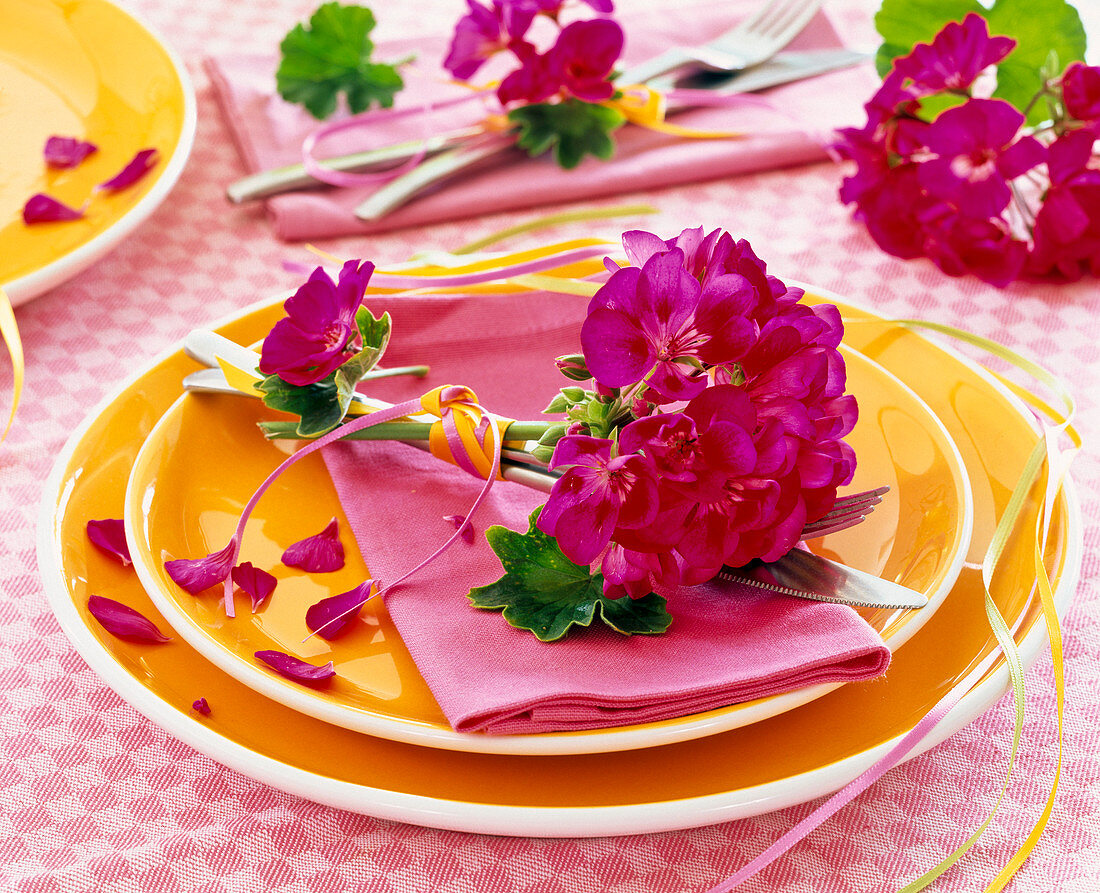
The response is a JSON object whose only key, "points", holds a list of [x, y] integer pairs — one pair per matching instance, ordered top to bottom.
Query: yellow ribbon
{"points": [[647, 107], [9, 330], [1045, 454]]}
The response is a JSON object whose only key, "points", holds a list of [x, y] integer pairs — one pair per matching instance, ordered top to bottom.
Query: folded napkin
{"points": [[269, 132], [727, 643]]}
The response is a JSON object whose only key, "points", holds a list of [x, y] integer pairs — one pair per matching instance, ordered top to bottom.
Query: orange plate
{"points": [[85, 69], [201, 462], [788, 759]]}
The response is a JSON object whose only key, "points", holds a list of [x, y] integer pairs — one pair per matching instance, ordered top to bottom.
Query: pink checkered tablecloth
{"points": [[95, 797]]}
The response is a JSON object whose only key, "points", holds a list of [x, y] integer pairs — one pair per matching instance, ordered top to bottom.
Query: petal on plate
{"points": [[63, 152], [138, 166], [40, 208], [109, 535], [320, 553], [197, 574], [258, 584], [333, 616], [123, 621], [297, 670], [200, 706]]}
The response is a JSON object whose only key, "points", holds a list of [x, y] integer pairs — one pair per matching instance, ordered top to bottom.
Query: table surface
{"points": [[107, 816]]}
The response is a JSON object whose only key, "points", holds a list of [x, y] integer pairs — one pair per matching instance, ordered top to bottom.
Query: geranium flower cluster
{"points": [[578, 64], [972, 187], [713, 434]]}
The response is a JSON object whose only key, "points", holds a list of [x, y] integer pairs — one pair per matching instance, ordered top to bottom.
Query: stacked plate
{"points": [[83, 69], [945, 435]]}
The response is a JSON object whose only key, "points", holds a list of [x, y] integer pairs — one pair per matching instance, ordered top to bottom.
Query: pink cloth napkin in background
{"points": [[269, 132], [724, 646]]}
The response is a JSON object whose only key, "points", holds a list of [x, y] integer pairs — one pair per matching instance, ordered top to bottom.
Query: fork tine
{"points": [[771, 14], [791, 18]]}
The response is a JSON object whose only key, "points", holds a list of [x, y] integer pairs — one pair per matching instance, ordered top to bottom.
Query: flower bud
{"points": [[573, 367]]}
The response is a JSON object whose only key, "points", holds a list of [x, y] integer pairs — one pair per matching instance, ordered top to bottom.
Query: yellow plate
{"points": [[85, 69], [201, 462], [788, 759]]}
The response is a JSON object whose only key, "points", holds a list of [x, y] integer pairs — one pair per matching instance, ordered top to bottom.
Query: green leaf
{"points": [[1039, 27], [333, 56], [572, 128], [375, 332], [317, 405], [546, 593]]}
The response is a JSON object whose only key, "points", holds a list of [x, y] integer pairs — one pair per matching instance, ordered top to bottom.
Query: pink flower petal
{"points": [[63, 152], [137, 168], [40, 208], [462, 524], [110, 536], [316, 554], [197, 574], [258, 584], [333, 616], [123, 621], [296, 670], [200, 706]]}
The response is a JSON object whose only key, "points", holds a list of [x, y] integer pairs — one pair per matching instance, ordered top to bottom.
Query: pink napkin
{"points": [[269, 132], [727, 644]]}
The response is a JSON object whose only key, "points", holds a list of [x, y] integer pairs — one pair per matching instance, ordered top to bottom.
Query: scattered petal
{"points": [[63, 152], [137, 168], [40, 208], [462, 524], [110, 536], [316, 554], [197, 574], [258, 584], [331, 617], [123, 621], [296, 670], [200, 706]]}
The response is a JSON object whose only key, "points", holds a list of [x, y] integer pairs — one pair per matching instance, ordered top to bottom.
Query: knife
{"points": [[784, 68], [806, 575]]}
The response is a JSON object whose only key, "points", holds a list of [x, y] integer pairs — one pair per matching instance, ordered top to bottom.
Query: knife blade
{"points": [[784, 68], [806, 575]]}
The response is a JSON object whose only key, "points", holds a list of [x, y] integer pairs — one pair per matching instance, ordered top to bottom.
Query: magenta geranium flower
{"points": [[477, 36], [583, 56], [956, 56], [533, 81], [1081, 92], [977, 149], [1067, 227], [658, 323], [318, 333], [596, 495]]}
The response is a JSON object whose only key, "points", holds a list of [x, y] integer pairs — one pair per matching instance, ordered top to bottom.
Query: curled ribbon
{"points": [[457, 409], [462, 436]]}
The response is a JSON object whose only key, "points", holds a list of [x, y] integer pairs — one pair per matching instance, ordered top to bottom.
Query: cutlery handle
{"points": [[643, 72], [452, 161]]}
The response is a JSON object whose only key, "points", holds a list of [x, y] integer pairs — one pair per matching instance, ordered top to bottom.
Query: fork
{"points": [[750, 43]]}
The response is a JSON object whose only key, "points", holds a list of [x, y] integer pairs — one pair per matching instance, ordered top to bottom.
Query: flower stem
{"points": [[391, 372], [403, 431]]}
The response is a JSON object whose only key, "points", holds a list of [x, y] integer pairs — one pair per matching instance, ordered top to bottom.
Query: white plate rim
{"points": [[31, 285], [545, 744]]}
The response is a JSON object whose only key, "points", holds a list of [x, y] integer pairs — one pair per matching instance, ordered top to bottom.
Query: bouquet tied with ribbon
{"points": [[701, 427]]}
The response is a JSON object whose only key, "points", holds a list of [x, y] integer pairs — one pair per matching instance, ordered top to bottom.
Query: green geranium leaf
{"points": [[1040, 27], [333, 56], [572, 128], [318, 405], [546, 593]]}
